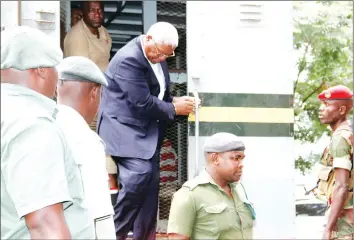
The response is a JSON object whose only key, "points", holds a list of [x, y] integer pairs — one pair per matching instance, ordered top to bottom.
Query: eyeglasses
{"points": [[161, 55]]}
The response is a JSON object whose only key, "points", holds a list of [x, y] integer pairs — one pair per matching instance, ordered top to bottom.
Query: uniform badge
{"points": [[327, 94]]}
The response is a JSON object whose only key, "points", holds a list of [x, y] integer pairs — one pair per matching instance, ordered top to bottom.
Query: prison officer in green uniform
{"points": [[336, 174], [41, 188], [214, 204]]}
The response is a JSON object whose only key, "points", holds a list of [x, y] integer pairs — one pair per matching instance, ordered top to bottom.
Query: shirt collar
{"points": [[101, 31], [142, 47], [18, 90], [71, 113], [204, 177]]}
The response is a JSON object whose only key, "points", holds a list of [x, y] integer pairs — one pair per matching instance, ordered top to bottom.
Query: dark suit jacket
{"points": [[131, 119]]}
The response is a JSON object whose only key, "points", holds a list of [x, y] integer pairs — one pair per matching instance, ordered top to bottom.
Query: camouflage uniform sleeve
{"points": [[340, 151], [182, 213]]}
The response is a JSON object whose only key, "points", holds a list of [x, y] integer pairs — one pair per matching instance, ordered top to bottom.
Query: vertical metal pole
{"points": [[19, 12], [67, 16], [196, 97]]}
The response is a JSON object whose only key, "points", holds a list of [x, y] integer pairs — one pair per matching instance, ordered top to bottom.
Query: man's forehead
{"points": [[94, 4], [165, 48], [329, 101], [336, 102], [236, 153]]}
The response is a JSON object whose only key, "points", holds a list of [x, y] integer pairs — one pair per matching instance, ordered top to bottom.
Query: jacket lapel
{"points": [[152, 79]]}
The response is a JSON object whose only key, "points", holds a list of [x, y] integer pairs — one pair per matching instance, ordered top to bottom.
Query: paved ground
{"points": [[159, 236]]}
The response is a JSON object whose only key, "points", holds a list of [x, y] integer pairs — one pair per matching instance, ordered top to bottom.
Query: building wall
{"points": [[9, 13], [47, 22], [238, 56]]}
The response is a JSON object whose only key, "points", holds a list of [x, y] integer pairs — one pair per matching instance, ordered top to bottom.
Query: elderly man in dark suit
{"points": [[132, 119]]}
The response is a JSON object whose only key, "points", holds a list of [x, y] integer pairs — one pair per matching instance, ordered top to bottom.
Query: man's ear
{"points": [[148, 38], [42, 73], [95, 92], [343, 110], [215, 158]]}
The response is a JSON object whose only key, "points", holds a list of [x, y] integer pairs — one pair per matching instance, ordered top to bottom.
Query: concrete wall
{"points": [[9, 13], [240, 52]]}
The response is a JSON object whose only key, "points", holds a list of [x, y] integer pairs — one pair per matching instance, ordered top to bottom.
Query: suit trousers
{"points": [[137, 201]]}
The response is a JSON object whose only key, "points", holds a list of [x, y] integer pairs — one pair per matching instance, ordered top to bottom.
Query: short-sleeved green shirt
{"points": [[340, 150], [37, 169], [202, 210]]}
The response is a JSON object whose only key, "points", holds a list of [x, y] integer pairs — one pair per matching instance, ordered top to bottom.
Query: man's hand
{"points": [[184, 105], [327, 234]]}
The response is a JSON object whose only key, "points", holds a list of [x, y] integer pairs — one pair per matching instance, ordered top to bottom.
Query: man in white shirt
{"points": [[79, 94], [41, 186]]}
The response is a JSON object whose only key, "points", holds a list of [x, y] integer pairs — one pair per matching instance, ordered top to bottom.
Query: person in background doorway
{"points": [[76, 16], [88, 38], [79, 94], [134, 112], [336, 173], [41, 191], [214, 205]]}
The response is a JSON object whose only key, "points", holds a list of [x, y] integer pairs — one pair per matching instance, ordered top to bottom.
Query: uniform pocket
{"points": [[219, 208], [223, 216], [211, 219]]}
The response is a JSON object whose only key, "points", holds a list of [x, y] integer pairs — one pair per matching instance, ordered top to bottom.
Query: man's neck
{"points": [[93, 30], [74, 105], [340, 122], [219, 181]]}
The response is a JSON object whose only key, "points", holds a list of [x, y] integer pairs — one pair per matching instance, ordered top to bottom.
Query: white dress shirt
{"points": [[156, 67]]}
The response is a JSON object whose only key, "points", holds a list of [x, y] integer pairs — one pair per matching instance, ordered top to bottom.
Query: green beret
{"points": [[25, 48], [77, 68], [223, 142]]}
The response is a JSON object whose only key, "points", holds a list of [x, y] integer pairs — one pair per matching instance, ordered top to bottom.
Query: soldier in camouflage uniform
{"points": [[336, 175]]}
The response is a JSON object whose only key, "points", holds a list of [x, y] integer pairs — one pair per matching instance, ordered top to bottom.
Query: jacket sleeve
{"points": [[130, 77]]}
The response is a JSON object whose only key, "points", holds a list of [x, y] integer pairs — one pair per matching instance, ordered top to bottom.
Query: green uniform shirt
{"points": [[37, 169], [202, 210]]}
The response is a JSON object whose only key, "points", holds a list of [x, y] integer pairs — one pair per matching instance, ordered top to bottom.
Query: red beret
{"points": [[336, 93]]}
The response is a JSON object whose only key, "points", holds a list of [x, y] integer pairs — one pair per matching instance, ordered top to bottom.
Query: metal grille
{"points": [[175, 13], [174, 152]]}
